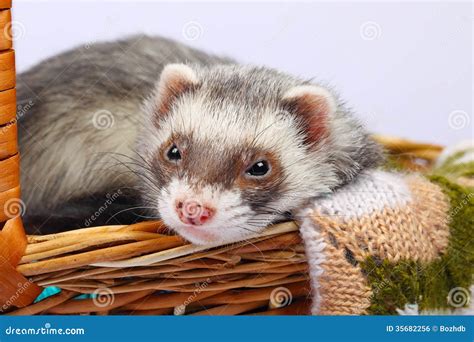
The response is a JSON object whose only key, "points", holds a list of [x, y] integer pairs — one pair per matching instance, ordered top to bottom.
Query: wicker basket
{"points": [[9, 168], [141, 269]]}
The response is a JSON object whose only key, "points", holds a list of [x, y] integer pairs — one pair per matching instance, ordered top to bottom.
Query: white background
{"points": [[405, 67]]}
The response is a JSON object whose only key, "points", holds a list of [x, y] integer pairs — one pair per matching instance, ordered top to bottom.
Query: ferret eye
{"points": [[173, 153], [259, 169]]}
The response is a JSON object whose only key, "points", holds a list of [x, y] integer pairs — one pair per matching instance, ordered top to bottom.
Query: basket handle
{"points": [[9, 158], [16, 290]]}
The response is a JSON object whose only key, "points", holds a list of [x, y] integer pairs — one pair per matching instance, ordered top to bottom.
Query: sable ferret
{"points": [[216, 149]]}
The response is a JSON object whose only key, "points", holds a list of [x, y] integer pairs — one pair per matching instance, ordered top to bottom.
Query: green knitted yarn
{"points": [[454, 167], [453, 170], [459, 258], [405, 282], [408, 282]]}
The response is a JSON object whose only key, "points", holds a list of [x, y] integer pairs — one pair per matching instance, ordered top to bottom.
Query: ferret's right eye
{"points": [[173, 153], [259, 169]]}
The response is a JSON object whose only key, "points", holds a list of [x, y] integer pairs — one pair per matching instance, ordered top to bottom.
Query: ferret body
{"points": [[216, 149]]}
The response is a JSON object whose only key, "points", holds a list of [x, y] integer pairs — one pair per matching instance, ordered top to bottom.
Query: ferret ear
{"points": [[175, 80], [314, 105]]}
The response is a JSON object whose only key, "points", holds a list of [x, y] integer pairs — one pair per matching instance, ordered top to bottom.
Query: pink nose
{"points": [[193, 212]]}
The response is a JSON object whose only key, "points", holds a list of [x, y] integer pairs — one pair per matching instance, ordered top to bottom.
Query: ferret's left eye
{"points": [[173, 153], [259, 169]]}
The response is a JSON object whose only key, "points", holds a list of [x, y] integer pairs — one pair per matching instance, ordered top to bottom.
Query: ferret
{"points": [[216, 149]]}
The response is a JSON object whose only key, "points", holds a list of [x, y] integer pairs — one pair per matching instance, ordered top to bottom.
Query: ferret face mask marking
{"points": [[232, 148], [212, 194]]}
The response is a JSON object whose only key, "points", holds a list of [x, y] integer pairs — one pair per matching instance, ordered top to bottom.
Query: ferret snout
{"points": [[192, 211]]}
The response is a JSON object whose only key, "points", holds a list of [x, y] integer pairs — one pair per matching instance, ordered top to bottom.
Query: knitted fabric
{"points": [[389, 239]]}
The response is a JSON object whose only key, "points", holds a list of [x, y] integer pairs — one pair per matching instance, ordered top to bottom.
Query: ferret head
{"points": [[229, 149]]}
